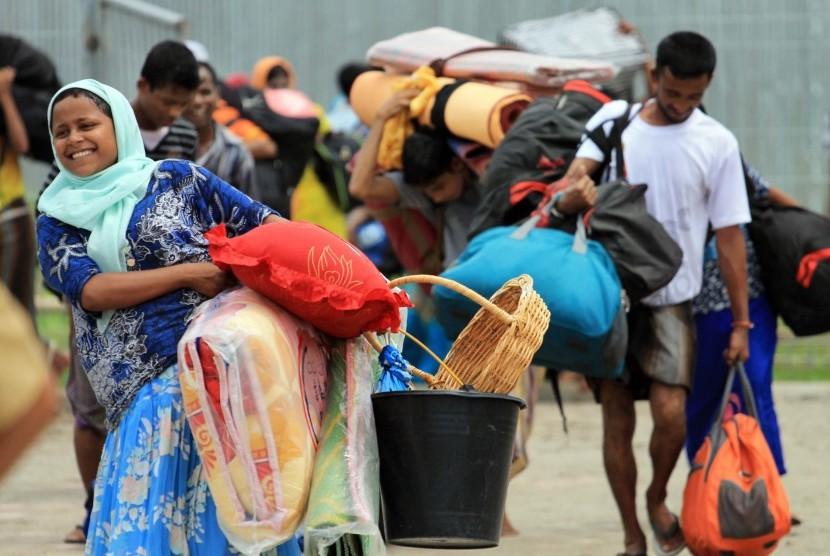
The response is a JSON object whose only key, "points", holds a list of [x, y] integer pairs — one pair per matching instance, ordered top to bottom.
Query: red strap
{"points": [[580, 86], [547, 164], [524, 188], [520, 190], [587, 217], [809, 264]]}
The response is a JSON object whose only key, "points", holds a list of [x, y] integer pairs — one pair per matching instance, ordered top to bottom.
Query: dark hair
{"points": [[687, 54], [171, 63], [211, 71], [276, 71], [348, 73], [75, 92], [426, 155]]}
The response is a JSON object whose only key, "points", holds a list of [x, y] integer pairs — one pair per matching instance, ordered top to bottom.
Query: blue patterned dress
{"points": [[151, 496]]}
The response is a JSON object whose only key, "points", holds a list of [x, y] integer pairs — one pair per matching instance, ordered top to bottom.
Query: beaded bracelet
{"points": [[748, 324]]}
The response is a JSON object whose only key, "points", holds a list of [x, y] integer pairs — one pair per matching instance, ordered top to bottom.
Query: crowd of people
{"points": [[136, 184]]}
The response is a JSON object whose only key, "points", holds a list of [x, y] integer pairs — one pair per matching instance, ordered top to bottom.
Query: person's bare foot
{"points": [[507, 529], [75, 536], [634, 548]]}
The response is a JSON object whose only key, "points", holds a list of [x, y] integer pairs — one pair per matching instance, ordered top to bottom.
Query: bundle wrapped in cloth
{"points": [[466, 57], [254, 382]]}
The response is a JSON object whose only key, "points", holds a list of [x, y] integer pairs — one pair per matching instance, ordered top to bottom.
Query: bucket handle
{"points": [[460, 289], [372, 338]]}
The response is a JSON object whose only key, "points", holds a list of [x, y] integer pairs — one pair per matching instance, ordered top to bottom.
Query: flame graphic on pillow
{"points": [[331, 268]]}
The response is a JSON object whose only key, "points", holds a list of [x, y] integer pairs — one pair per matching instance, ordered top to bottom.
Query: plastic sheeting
{"points": [[408, 51], [254, 383], [345, 493]]}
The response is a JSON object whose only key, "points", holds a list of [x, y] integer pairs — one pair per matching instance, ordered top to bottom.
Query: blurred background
{"points": [[770, 87]]}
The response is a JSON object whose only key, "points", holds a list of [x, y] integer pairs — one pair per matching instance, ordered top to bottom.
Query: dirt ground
{"points": [[561, 504]]}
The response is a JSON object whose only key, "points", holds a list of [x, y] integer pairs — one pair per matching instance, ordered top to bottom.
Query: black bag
{"points": [[34, 69], [36, 80], [33, 106], [295, 139], [539, 147], [330, 161], [793, 248], [645, 255]]}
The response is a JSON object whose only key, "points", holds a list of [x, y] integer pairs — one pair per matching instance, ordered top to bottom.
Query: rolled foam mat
{"points": [[475, 111]]}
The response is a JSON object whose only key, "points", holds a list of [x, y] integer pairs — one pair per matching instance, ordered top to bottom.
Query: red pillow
{"points": [[312, 273]]}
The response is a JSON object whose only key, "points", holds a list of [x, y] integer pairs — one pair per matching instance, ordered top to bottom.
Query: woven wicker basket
{"points": [[498, 344]]}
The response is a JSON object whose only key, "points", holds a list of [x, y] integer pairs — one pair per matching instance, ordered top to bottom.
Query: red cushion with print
{"points": [[312, 273]]}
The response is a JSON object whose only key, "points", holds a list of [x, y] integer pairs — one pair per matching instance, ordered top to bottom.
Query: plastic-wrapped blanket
{"points": [[469, 57], [254, 382], [345, 492]]}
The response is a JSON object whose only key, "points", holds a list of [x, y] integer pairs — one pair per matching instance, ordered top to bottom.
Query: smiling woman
{"points": [[83, 132], [122, 238]]}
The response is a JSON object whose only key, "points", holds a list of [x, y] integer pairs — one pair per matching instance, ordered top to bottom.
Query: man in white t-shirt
{"points": [[692, 166]]}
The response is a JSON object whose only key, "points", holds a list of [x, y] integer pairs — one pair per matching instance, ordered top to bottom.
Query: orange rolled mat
{"points": [[369, 91], [474, 111], [483, 113]]}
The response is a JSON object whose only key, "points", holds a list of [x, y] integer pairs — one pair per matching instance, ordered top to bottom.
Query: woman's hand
{"points": [[208, 279]]}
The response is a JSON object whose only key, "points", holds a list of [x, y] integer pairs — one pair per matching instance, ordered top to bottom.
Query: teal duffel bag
{"points": [[575, 276]]}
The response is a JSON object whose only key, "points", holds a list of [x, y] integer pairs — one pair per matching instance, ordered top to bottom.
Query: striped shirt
{"points": [[180, 141], [229, 159]]}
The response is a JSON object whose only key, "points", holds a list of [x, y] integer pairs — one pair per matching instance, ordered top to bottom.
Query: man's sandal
{"points": [[662, 537]]}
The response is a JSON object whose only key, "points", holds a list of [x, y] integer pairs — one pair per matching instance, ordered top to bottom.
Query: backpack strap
{"points": [[438, 64], [615, 142], [611, 144], [553, 376]]}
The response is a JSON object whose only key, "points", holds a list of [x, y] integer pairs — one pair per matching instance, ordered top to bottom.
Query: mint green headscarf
{"points": [[103, 203]]}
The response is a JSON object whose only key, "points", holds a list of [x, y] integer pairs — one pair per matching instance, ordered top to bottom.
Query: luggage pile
{"points": [[480, 88]]}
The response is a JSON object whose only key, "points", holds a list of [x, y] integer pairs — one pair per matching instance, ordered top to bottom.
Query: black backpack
{"points": [[35, 82], [295, 139], [539, 147], [330, 161], [793, 249]]}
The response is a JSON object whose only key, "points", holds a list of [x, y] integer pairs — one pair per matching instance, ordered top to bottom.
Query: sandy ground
{"points": [[561, 503]]}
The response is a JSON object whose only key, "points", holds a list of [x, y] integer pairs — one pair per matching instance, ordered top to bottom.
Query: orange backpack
{"points": [[734, 502]]}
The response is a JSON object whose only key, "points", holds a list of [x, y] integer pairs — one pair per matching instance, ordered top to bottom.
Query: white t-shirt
{"points": [[694, 176]]}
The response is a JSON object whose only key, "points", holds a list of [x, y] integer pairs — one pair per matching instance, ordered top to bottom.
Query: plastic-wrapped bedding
{"points": [[588, 34], [409, 51], [254, 381]]}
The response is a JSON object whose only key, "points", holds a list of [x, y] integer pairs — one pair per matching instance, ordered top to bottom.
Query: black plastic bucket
{"points": [[444, 465]]}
